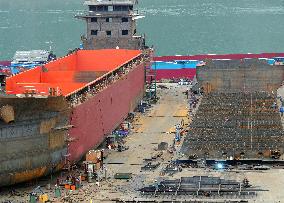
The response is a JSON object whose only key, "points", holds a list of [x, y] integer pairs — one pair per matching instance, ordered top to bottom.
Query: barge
{"points": [[181, 67]]}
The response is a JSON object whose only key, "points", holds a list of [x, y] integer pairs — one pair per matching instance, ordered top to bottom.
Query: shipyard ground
{"points": [[150, 129]]}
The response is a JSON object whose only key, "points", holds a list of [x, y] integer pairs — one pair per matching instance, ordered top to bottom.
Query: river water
{"points": [[172, 26]]}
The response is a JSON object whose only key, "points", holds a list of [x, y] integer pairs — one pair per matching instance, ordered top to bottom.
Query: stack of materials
{"points": [[95, 158], [201, 186]]}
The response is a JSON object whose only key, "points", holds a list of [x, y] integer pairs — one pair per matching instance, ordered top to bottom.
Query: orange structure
{"points": [[70, 73]]}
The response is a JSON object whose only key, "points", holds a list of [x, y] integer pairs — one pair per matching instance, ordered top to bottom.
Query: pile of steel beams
{"points": [[236, 125], [200, 186]]}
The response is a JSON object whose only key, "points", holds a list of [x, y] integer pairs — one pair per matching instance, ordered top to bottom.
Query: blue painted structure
{"points": [[178, 64], [192, 64]]}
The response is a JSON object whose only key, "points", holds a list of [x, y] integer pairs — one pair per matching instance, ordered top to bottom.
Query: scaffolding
{"points": [[238, 117], [236, 125]]}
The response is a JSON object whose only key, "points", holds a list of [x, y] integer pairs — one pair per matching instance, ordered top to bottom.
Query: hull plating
{"points": [[218, 56], [168, 68], [176, 73], [100, 115], [31, 146]]}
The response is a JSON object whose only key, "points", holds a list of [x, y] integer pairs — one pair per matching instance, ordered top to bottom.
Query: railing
{"points": [[103, 2], [107, 13]]}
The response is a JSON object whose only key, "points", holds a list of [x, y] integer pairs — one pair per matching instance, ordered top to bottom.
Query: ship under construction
{"points": [[53, 114]]}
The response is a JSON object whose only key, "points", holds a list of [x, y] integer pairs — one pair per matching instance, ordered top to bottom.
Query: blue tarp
{"points": [[270, 61], [175, 64], [181, 64], [121, 133]]}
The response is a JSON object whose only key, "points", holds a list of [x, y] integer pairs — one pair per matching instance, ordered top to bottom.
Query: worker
{"points": [[274, 105], [281, 110], [182, 123], [177, 137], [119, 147], [156, 185], [57, 191]]}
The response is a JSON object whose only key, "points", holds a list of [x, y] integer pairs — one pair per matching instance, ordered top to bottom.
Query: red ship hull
{"points": [[218, 56], [5, 63], [166, 73], [175, 73], [99, 116]]}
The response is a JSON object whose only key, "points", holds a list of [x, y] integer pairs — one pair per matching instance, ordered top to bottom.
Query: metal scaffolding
{"points": [[236, 125]]}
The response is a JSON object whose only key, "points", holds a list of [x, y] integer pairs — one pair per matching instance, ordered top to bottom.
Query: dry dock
{"points": [[148, 130]]}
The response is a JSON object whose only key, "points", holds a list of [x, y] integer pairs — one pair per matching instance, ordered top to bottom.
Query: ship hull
{"points": [[5, 63], [177, 67], [175, 73], [97, 95], [99, 116], [92, 121], [31, 146], [28, 172]]}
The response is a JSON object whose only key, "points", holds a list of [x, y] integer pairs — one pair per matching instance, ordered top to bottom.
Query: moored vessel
{"points": [[180, 67]]}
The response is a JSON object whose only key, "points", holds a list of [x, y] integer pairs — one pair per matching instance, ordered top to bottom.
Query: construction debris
{"points": [[163, 146], [150, 166], [171, 169], [123, 176]]}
